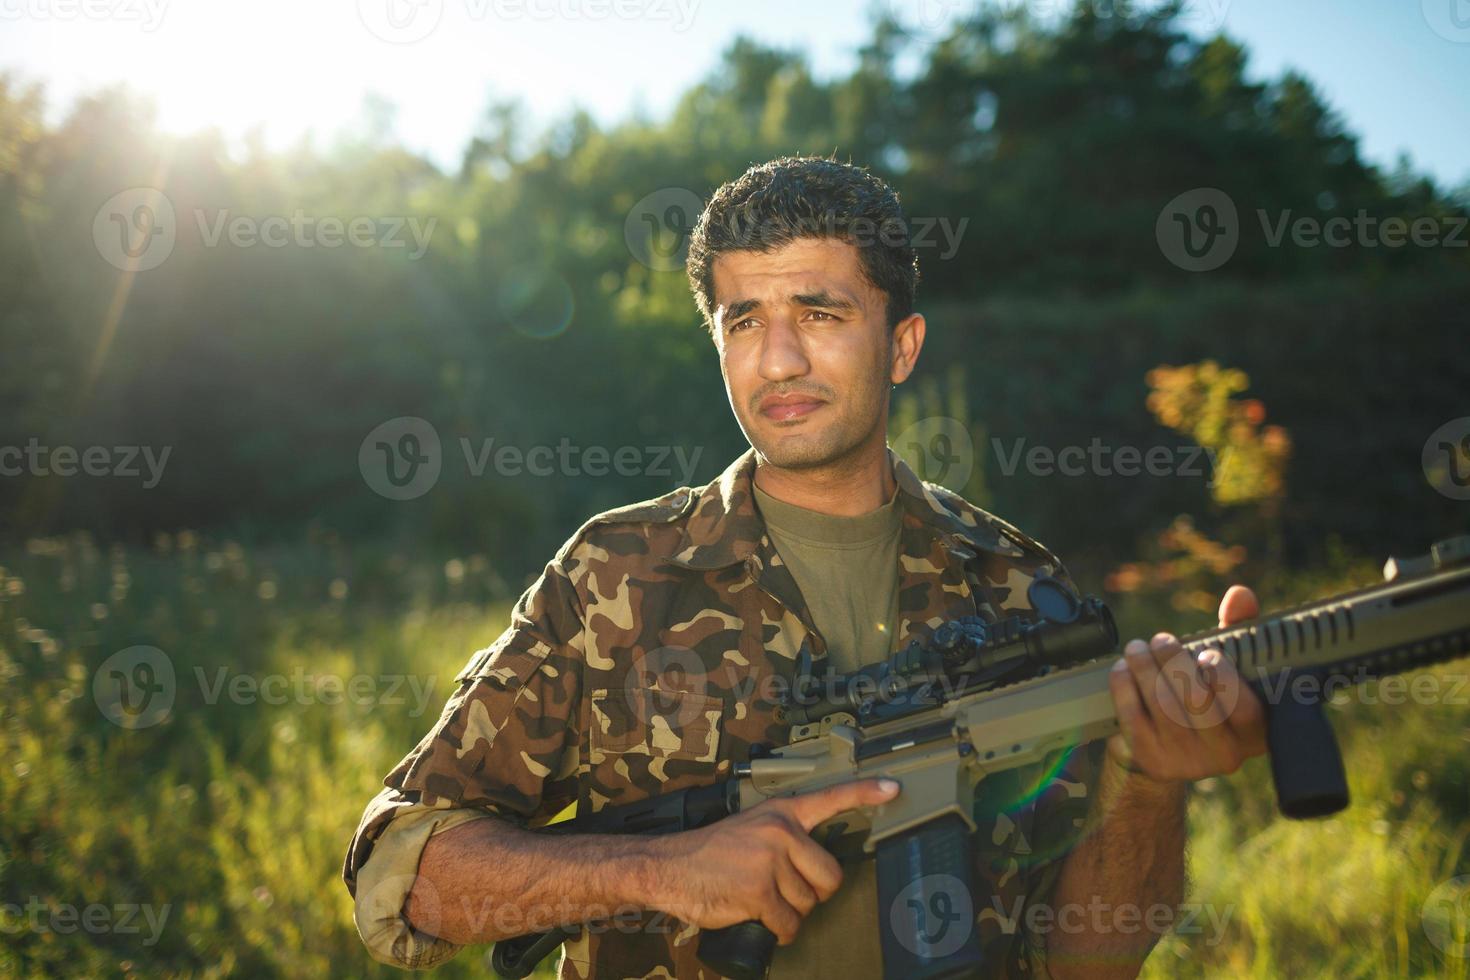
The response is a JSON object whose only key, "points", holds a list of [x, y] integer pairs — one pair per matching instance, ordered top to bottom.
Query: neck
{"points": [[859, 483]]}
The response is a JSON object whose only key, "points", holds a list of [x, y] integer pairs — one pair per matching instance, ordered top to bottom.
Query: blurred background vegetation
{"points": [[1314, 375]]}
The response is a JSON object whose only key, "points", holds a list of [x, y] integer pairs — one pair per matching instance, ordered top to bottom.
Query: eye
{"points": [[823, 314], [740, 325]]}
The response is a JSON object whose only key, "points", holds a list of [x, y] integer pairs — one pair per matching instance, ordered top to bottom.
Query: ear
{"points": [[908, 340]]}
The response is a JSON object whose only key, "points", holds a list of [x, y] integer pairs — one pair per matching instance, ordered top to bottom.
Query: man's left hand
{"points": [[1183, 718]]}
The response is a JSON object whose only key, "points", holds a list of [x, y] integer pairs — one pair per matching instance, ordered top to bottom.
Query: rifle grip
{"points": [[1306, 763], [926, 906], [741, 952], [518, 957]]}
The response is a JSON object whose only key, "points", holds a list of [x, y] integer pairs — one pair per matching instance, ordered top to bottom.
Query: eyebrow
{"points": [[821, 298], [825, 300], [739, 308]]}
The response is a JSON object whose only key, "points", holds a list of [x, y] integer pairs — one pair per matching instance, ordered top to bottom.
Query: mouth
{"points": [[788, 408]]}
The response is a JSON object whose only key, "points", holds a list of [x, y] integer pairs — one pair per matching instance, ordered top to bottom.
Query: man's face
{"points": [[805, 350]]}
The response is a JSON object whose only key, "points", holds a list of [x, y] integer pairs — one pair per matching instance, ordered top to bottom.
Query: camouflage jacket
{"points": [[683, 601]]}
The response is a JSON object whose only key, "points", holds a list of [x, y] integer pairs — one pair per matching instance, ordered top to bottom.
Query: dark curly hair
{"points": [[775, 203]]}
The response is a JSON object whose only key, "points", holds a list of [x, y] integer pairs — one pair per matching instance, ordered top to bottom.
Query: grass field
{"points": [[210, 844]]}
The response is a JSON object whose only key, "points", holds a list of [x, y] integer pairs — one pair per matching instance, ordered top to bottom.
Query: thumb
{"points": [[1239, 603], [812, 808]]}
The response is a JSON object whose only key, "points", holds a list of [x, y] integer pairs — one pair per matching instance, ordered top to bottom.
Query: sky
{"points": [[1398, 71]]}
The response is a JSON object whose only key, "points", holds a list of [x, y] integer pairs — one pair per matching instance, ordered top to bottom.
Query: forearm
{"points": [[489, 880], [1105, 906]]}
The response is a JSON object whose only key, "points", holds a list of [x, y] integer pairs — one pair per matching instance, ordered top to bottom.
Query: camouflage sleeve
{"points": [[504, 746], [1060, 814], [1061, 819], [1060, 824]]}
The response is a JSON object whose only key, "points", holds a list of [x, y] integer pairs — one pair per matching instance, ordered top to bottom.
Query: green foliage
{"points": [[1048, 148], [934, 433], [230, 819]]}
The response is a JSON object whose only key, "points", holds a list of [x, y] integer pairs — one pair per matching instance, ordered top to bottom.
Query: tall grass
{"points": [[232, 816], [228, 820]]}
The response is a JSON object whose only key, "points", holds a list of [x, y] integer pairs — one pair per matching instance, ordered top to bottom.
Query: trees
{"points": [[528, 318]]}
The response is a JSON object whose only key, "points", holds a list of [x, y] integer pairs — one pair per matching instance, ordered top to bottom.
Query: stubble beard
{"points": [[839, 440]]}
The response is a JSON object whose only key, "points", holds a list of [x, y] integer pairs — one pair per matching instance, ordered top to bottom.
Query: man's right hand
{"points": [[759, 864]]}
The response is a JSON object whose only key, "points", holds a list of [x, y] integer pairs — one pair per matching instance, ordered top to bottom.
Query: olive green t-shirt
{"points": [[847, 571]]}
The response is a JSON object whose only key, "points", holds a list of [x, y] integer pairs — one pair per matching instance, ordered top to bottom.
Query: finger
{"points": [[1239, 603], [1145, 672], [1219, 672], [1195, 692], [1210, 696], [1245, 714], [1133, 720], [1225, 721], [1175, 740], [812, 808], [818, 867], [794, 888], [779, 917]]}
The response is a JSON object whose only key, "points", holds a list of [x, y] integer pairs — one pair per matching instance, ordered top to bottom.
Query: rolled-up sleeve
{"points": [[503, 747], [385, 879]]}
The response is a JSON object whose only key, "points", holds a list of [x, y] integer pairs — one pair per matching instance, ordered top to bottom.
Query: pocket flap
{"points": [[510, 661]]}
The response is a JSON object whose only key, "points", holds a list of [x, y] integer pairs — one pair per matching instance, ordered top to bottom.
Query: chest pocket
{"points": [[654, 722]]}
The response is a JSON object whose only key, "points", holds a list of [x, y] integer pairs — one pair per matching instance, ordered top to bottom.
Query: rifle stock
{"points": [[941, 750]]}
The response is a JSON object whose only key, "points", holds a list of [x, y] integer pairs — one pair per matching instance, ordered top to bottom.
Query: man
{"points": [[649, 657]]}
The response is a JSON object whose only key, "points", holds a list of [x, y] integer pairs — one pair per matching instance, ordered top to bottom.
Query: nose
{"points": [[782, 354]]}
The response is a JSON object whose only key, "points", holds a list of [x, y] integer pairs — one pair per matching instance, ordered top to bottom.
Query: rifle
{"points": [[980, 698]]}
